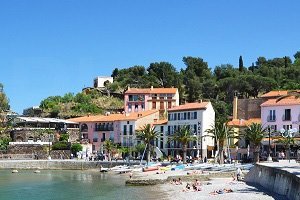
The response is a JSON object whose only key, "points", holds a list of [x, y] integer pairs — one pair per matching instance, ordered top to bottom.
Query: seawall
{"points": [[58, 164], [280, 177]]}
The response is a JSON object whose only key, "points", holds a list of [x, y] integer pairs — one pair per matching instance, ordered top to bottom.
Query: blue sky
{"points": [[53, 47]]}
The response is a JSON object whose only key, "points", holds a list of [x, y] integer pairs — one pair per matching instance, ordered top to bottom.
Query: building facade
{"points": [[136, 99], [198, 117], [119, 128]]}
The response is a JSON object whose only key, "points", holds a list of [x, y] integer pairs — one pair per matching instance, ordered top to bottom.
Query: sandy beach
{"points": [[241, 190]]}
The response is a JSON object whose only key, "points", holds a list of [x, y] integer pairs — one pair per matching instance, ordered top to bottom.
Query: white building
{"points": [[99, 81], [282, 114], [198, 117]]}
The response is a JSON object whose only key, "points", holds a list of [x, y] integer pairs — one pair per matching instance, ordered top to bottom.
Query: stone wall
{"points": [[249, 108], [40, 151], [58, 164], [276, 180]]}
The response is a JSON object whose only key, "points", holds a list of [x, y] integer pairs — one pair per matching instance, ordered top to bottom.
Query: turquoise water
{"points": [[62, 184]]}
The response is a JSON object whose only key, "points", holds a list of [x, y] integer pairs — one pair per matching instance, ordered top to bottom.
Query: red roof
{"points": [[151, 91], [276, 93], [283, 102], [190, 106], [114, 117], [243, 123]]}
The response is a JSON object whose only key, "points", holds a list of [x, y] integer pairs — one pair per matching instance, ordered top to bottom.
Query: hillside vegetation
{"points": [[197, 81], [83, 103]]}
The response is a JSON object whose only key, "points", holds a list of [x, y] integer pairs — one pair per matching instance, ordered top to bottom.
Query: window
{"points": [[130, 98], [169, 104], [153, 105], [162, 105], [143, 106], [129, 107], [136, 107], [189, 115], [195, 115], [272, 115], [287, 115], [175, 116], [178, 116], [184, 116], [169, 117], [287, 127], [195, 128], [273, 128], [161, 129], [125, 130], [130, 130], [169, 130]]}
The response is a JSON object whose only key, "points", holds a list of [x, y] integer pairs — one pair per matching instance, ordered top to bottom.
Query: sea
{"points": [[71, 185]]}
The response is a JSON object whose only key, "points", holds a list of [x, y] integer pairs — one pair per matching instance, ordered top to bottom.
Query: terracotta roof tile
{"points": [[151, 91], [276, 93], [283, 102], [190, 106], [114, 117], [160, 122], [243, 123]]}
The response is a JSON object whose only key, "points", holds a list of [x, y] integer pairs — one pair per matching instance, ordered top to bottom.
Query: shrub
{"points": [[61, 145], [76, 148]]}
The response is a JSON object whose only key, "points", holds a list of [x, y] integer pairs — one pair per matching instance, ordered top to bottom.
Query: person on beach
{"points": [[238, 174], [130, 175], [187, 187]]}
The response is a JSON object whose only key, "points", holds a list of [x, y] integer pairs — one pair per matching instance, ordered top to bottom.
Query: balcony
{"points": [[271, 118], [286, 118], [104, 128], [95, 139]]}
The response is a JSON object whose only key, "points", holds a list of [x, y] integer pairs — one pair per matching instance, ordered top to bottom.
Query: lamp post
{"points": [[289, 134], [269, 159]]}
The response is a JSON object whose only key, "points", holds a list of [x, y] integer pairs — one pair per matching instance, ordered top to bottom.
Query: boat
{"points": [[177, 167], [150, 168], [103, 169], [14, 171], [37, 171], [121, 171]]}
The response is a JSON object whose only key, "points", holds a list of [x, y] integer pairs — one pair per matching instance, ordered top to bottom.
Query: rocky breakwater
{"points": [[280, 177]]}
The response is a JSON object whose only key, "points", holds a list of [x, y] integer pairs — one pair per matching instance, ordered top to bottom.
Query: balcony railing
{"points": [[271, 118], [286, 118], [104, 128], [95, 139]]}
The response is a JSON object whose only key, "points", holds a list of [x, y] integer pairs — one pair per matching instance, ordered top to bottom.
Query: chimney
{"points": [[151, 87], [128, 89], [200, 101], [235, 108], [155, 120]]}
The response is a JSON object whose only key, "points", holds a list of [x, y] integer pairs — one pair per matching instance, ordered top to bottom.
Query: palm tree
{"points": [[220, 132], [255, 133], [147, 134], [183, 136], [109, 146]]}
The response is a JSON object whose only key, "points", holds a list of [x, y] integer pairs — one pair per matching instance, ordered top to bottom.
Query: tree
{"points": [[297, 55], [241, 64], [164, 72], [220, 132], [255, 133], [147, 134], [183, 136], [109, 146], [76, 148]]}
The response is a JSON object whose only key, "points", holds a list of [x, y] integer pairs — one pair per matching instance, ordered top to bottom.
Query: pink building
{"points": [[136, 99], [282, 114], [119, 128]]}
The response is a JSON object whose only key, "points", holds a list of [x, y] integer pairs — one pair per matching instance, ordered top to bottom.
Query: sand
{"points": [[241, 190]]}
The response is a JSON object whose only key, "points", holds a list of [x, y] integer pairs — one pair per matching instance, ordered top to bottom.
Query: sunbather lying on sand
{"points": [[221, 191]]}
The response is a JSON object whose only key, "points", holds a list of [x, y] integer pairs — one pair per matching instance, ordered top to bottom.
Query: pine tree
{"points": [[241, 64]]}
